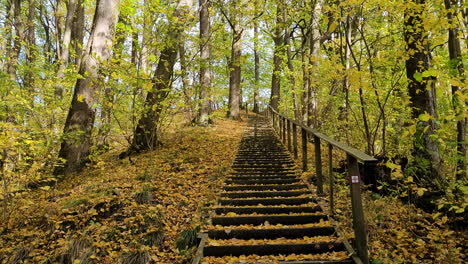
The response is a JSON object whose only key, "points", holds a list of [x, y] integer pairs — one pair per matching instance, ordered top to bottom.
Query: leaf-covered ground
{"points": [[125, 211]]}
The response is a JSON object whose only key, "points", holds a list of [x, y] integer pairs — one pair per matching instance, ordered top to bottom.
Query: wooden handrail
{"points": [[283, 126], [359, 155]]}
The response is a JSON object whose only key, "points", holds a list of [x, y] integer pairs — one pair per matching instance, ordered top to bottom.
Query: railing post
{"points": [[273, 119], [276, 122], [280, 127], [284, 130], [289, 135], [294, 140], [304, 149], [318, 165], [331, 178], [358, 213]]}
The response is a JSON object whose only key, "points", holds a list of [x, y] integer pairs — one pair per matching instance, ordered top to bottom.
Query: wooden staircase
{"points": [[266, 213]]}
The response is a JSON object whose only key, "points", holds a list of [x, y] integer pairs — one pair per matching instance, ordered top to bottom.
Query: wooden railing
{"points": [[287, 130]]}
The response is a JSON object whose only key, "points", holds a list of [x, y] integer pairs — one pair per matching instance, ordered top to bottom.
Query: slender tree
{"points": [[78, 30], [16, 36], [278, 39], [30, 48], [65, 50], [205, 54], [235, 62], [256, 69], [457, 70], [312, 89], [146, 135], [76, 141]]}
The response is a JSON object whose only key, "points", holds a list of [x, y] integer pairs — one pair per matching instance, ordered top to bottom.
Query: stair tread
{"points": [[266, 211], [286, 232], [273, 249]]}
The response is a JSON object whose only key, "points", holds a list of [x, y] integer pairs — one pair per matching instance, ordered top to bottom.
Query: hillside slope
{"points": [[125, 211]]}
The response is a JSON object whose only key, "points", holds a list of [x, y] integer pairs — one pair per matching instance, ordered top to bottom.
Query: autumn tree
{"points": [[233, 16], [278, 39], [205, 54], [64, 55], [457, 70], [421, 89], [146, 135], [76, 142]]}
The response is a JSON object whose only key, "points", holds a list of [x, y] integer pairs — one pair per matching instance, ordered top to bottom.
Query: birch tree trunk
{"points": [[76, 142]]}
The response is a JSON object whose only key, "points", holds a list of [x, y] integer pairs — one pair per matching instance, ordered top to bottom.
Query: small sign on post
{"points": [[355, 179]]}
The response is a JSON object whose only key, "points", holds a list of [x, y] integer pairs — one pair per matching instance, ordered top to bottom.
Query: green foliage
{"points": [[75, 203], [153, 238], [187, 239], [79, 251], [137, 257]]}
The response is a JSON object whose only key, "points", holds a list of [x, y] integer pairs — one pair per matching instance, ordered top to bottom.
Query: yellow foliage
{"points": [[120, 207]]}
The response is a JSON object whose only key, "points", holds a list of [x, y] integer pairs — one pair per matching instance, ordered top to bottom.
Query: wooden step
{"points": [[261, 177], [267, 181], [265, 187], [263, 194], [265, 201], [268, 210], [271, 219], [297, 232], [272, 249]]}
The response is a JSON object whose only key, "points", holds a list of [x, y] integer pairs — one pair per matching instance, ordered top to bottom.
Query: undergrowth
{"points": [[398, 232]]}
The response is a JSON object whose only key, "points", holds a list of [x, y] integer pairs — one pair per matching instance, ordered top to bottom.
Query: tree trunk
{"points": [[78, 31], [278, 39], [30, 49], [14, 50], [65, 50], [305, 54], [345, 59], [235, 69], [256, 69], [457, 70], [205, 73], [292, 80], [422, 97], [108, 101], [188, 101], [312, 107], [146, 135], [76, 143]]}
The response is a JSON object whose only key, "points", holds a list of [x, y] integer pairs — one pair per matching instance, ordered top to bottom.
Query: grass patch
{"points": [[75, 203], [139, 257]]}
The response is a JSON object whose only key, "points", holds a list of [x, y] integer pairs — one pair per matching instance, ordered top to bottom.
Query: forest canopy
{"points": [[79, 78]]}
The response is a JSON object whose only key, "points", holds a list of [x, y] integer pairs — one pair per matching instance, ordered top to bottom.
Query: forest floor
{"points": [[149, 209], [125, 211], [398, 232]]}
